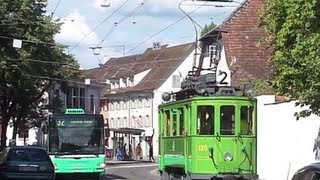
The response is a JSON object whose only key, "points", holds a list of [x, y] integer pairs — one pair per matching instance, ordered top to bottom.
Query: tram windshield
{"points": [[205, 120], [246, 120]]}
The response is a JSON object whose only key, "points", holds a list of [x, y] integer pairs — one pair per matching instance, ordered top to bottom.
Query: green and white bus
{"points": [[75, 142]]}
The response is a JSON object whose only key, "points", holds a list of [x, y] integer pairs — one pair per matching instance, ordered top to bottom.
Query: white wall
{"points": [[182, 70], [284, 144]]}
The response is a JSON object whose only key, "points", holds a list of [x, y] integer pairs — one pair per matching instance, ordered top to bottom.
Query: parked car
{"points": [[26, 162], [309, 172]]}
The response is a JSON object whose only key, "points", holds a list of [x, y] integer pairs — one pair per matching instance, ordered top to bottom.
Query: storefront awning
{"points": [[127, 131]]}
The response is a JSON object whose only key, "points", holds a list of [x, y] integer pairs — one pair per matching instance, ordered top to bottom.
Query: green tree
{"points": [[207, 28], [293, 29], [27, 72]]}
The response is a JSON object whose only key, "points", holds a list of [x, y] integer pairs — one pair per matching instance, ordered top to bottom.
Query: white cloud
{"points": [[74, 31]]}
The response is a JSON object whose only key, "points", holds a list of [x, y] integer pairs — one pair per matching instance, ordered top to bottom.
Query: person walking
{"points": [[151, 158]]}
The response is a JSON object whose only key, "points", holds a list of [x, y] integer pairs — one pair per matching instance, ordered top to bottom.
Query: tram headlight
{"points": [[200, 87], [228, 156]]}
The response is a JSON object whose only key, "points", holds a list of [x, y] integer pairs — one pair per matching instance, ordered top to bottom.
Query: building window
{"points": [[176, 81], [69, 97], [75, 97], [82, 98], [139, 102], [146, 102], [92, 103], [126, 103], [132, 103], [111, 105], [118, 105], [122, 105], [112, 123], [148, 123], [119, 124]]}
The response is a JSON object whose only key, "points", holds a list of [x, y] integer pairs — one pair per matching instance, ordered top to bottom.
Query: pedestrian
{"points": [[124, 150], [130, 152], [138, 152], [119, 154], [151, 158]]}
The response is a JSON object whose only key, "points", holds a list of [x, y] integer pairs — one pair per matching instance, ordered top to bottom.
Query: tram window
{"points": [[167, 114], [205, 120], [246, 120], [181, 121], [227, 123], [174, 124]]}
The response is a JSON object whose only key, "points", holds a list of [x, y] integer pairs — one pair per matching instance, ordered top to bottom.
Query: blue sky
{"points": [[149, 19]]}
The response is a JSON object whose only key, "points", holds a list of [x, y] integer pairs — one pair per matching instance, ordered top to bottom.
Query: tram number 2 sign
{"points": [[224, 77], [202, 148]]}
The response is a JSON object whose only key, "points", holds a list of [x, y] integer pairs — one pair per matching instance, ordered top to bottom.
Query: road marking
{"points": [[132, 166], [155, 172]]}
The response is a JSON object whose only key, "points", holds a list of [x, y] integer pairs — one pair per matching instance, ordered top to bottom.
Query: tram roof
{"points": [[199, 98]]}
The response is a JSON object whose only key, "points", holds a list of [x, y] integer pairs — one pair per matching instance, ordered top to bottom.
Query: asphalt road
{"points": [[140, 171]]}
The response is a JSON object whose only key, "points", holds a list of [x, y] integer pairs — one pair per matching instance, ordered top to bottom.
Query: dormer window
{"points": [[130, 81], [123, 82], [113, 84]]}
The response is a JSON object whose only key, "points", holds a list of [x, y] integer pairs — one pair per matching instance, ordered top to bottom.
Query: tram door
{"points": [[226, 147]]}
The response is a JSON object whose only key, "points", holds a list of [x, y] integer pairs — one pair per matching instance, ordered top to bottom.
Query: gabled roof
{"points": [[240, 35], [161, 63]]}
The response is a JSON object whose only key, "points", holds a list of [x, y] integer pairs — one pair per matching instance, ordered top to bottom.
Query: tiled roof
{"points": [[240, 36], [161, 63]]}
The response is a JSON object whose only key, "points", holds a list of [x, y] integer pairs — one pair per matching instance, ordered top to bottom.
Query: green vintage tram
{"points": [[208, 131]]}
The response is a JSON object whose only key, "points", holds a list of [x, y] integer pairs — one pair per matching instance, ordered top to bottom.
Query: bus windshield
{"points": [[76, 134]]}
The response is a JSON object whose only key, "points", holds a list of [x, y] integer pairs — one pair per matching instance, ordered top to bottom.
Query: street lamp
{"points": [[105, 3], [96, 50]]}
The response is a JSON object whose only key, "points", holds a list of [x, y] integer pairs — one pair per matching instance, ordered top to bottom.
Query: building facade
{"points": [[136, 85]]}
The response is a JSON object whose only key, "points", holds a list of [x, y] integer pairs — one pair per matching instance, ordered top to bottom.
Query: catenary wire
{"points": [[54, 11], [121, 21], [99, 25], [164, 29]]}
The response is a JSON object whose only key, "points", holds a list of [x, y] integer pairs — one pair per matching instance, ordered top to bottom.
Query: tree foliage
{"points": [[207, 28], [293, 29], [27, 72]]}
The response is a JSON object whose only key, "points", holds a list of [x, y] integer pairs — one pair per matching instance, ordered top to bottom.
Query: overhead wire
{"points": [[54, 11], [106, 19], [121, 21], [165, 28], [31, 41], [105, 67]]}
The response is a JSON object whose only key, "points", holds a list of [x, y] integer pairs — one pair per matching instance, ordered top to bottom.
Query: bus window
{"points": [[167, 114], [181, 119], [205, 120], [227, 123], [246, 124]]}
